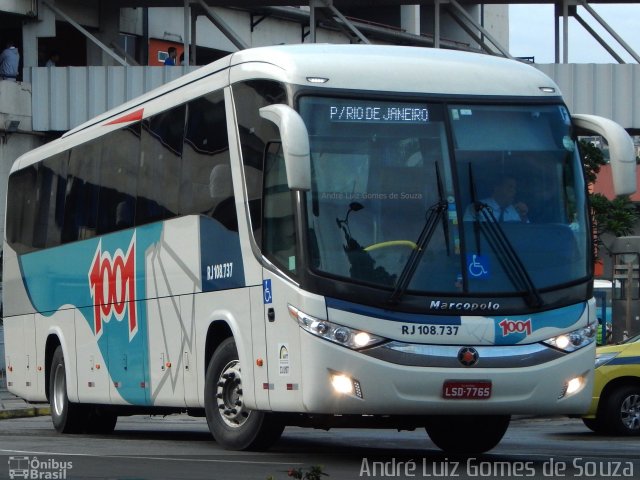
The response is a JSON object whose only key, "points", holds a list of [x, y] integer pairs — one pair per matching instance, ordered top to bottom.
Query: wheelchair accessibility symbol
{"points": [[478, 266], [266, 291]]}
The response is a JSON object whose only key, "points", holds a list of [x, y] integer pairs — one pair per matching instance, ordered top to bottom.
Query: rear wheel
{"points": [[621, 411], [67, 417], [101, 420], [232, 424], [467, 433]]}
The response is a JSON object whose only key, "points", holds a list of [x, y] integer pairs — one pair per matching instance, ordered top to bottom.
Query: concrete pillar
{"points": [[410, 19], [43, 26], [109, 30], [565, 31], [186, 37], [15, 105]]}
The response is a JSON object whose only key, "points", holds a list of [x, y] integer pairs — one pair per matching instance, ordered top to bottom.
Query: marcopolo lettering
{"points": [[113, 287], [465, 306]]}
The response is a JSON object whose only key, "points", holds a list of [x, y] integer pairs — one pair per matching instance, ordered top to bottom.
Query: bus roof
{"points": [[376, 68], [389, 68]]}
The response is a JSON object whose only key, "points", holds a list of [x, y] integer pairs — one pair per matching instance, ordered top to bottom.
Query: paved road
{"points": [[179, 447]]}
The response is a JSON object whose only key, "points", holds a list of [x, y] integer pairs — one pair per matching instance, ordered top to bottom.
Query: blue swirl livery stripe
{"points": [[73, 273], [394, 316], [509, 329], [512, 329]]}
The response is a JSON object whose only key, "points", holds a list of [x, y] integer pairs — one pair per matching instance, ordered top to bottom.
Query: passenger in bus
{"points": [[502, 203], [124, 214]]}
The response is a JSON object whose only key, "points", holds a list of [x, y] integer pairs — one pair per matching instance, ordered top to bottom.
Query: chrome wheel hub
{"points": [[59, 390], [229, 396], [630, 412]]}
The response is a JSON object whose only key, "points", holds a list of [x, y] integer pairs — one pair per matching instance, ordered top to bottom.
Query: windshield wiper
{"points": [[433, 215], [507, 255]]}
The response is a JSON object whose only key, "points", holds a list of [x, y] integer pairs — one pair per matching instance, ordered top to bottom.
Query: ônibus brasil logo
{"points": [[112, 281]]}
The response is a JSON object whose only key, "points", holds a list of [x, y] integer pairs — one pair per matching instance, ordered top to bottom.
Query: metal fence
{"points": [[64, 97], [3, 382]]}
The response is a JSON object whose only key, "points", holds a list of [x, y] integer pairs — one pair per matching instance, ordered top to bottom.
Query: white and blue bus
{"points": [[309, 235]]}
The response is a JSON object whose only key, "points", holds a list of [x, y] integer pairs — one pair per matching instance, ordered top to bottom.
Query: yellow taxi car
{"points": [[615, 406]]}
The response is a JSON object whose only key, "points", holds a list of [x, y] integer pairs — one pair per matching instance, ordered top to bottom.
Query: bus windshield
{"points": [[489, 182]]}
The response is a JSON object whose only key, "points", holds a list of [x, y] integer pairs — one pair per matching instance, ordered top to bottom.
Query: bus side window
{"points": [[255, 132], [160, 164], [118, 175], [206, 186], [50, 194], [81, 200], [223, 207], [21, 209], [278, 225]]}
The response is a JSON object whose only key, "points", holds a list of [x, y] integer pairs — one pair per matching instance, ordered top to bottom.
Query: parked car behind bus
{"points": [[615, 407]]}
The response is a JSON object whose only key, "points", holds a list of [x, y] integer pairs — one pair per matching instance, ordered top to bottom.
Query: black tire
{"points": [[621, 411], [67, 417], [101, 421], [594, 424], [232, 425], [467, 433]]}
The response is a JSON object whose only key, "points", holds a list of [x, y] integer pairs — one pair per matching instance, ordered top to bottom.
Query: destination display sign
{"points": [[378, 112]]}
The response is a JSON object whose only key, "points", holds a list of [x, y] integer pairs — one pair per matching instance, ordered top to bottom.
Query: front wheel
{"points": [[621, 411], [67, 417], [232, 424], [593, 424], [467, 433]]}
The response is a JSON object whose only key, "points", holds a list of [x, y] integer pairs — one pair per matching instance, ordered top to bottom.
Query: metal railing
{"points": [[65, 97]]}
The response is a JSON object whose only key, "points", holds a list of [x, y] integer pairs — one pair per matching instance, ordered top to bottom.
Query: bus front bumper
{"points": [[338, 380]]}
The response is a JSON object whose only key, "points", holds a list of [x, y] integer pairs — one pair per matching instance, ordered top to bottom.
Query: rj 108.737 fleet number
{"points": [[219, 270], [430, 329]]}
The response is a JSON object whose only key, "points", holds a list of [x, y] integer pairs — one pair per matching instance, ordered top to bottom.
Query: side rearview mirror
{"points": [[295, 144], [621, 152]]}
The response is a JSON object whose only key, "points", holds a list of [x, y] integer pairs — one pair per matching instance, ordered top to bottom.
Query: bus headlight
{"points": [[345, 336], [572, 341]]}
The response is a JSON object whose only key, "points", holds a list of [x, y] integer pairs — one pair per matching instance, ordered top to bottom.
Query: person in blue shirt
{"points": [[171, 59], [9, 60], [502, 203]]}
